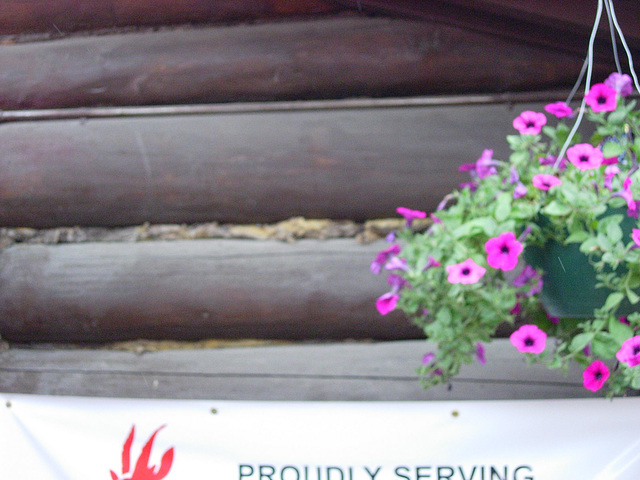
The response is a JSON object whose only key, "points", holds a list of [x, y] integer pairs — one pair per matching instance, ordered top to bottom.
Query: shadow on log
{"points": [[354, 164], [189, 290]]}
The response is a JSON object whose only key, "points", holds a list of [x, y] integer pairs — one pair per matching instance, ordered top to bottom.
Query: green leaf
{"points": [[617, 117], [612, 149], [503, 207], [557, 209], [481, 224], [614, 232], [577, 237], [632, 296], [613, 300], [619, 331], [580, 341], [604, 345]]}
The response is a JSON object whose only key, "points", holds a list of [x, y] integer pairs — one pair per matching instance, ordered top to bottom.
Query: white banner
{"points": [[68, 438]]}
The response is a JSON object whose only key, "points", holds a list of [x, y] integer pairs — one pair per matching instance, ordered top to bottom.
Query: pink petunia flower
{"points": [[621, 83], [601, 98], [559, 109], [529, 122], [585, 156], [551, 160], [485, 164], [610, 172], [544, 181], [520, 190], [625, 193], [410, 215], [635, 236], [503, 250], [383, 257], [397, 263], [466, 272], [529, 275], [387, 302], [624, 320], [529, 339], [629, 353], [480, 356], [427, 358], [595, 375]]}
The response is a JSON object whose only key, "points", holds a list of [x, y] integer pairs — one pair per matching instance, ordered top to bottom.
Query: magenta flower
{"points": [[621, 83], [601, 98], [559, 109], [529, 122], [585, 156], [551, 160], [485, 164], [610, 172], [544, 181], [520, 190], [625, 193], [410, 215], [635, 236], [503, 250], [383, 257], [431, 262], [396, 263], [466, 272], [529, 275], [387, 302], [624, 320], [529, 339], [629, 353], [480, 354], [427, 358], [595, 375]]}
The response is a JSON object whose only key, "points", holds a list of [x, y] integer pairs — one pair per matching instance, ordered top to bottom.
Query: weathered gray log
{"points": [[333, 58], [352, 164], [189, 290], [340, 371]]}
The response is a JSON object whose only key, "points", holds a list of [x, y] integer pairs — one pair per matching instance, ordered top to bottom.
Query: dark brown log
{"points": [[59, 17], [355, 57], [347, 163], [189, 290]]}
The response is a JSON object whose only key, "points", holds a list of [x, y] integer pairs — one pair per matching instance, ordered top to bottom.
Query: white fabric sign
{"points": [[68, 438]]}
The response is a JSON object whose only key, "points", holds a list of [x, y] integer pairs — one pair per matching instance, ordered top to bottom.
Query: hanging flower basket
{"points": [[469, 273]]}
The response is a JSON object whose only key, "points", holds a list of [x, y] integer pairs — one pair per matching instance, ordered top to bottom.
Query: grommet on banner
{"points": [[8, 404], [214, 411], [455, 414]]}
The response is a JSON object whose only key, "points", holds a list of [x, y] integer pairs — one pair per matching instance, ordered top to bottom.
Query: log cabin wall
{"points": [[122, 112]]}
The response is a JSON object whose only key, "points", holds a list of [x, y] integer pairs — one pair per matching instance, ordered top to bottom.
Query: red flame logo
{"points": [[143, 471]]}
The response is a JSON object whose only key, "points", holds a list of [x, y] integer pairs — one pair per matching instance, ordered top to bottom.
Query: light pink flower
{"points": [[621, 83], [601, 98], [559, 109], [529, 122], [585, 156], [485, 164], [610, 172], [544, 181], [520, 190], [628, 196], [411, 215], [635, 236], [502, 251], [383, 257], [397, 263], [466, 272], [529, 275], [387, 302], [529, 339], [629, 353], [427, 358], [595, 375]]}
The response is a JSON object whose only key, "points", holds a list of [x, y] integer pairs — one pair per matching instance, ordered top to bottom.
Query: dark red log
{"points": [[356, 57], [340, 163], [190, 290]]}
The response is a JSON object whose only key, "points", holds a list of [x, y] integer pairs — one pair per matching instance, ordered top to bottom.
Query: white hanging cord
{"points": [[608, 4], [612, 15], [578, 82], [587, 85]]}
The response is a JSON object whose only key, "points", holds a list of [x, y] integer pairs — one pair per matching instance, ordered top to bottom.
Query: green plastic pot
{"points": [[569, 281]]}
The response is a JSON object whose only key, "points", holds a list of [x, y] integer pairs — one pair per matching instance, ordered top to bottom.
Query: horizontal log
{"points": [[59, 17], [333, 58], [352, 163], [190, 290], [339, 371]]}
